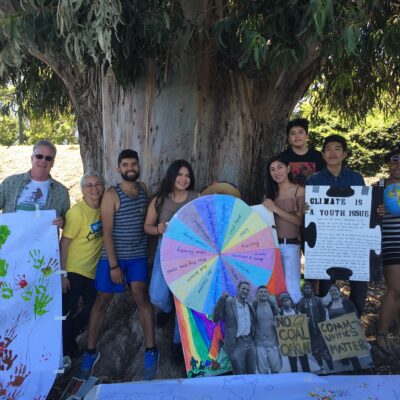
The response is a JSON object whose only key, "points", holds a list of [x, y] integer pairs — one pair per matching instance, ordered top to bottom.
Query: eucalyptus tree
{"points": [[213, 81]]}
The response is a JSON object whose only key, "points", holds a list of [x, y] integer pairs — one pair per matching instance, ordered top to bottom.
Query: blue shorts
{"points": [[135, 270]]}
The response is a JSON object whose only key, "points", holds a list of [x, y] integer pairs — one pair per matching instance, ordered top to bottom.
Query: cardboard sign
{"points": [[342, 230], [293, 335], [344, 337]]}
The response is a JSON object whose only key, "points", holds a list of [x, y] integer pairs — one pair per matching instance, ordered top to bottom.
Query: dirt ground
{"points": [[68, 170]]}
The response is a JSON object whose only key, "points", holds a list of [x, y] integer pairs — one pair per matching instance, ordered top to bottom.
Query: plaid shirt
{"points": [[11, 188]]}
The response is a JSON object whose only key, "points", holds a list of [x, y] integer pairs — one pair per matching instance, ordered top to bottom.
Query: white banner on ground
{"points": [[30, 302], [251, 387]]}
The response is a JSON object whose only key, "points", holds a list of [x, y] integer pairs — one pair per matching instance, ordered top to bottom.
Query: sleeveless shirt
{"points": [[291, 205], [170, 207], [130, 240]]}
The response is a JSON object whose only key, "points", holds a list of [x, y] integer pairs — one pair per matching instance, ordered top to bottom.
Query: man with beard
{"points": [[123, 260], [313, 307], [240, 320]]}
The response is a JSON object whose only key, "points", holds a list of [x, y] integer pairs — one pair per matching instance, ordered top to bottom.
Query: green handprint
{"points": [[4, 234], [37, 260], [3, 267], [49, 268], [40, 289], [6, 291], [27, 293], [41, 301]]}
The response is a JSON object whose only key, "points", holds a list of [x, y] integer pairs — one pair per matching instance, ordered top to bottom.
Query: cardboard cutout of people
{"points": [[288, 308], [314, 308], [240, 320], [343, 334], [269, 359]]}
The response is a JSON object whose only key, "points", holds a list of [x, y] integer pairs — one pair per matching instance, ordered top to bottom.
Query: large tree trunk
{"points": [[223, 122]]}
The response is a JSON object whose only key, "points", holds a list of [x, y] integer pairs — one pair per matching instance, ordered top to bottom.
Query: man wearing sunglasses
{"points": [[35, 189]]}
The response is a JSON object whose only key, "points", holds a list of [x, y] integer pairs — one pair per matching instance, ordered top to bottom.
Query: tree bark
{"points": [[223, 122]]}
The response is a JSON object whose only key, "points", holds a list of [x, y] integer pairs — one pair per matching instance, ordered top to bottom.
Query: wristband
{"points": [[115, 267]]}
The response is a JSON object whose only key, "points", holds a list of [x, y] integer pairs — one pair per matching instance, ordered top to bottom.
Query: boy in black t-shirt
{"points": [[303, 161]]}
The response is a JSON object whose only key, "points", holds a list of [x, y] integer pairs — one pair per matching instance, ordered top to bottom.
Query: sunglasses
{"points": [[41, 156], [395, 158]]}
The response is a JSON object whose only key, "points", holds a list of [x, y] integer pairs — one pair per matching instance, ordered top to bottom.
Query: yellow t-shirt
{"points": [[83, 226]]}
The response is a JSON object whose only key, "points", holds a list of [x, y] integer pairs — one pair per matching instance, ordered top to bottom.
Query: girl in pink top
{"points": [[286, 200]]}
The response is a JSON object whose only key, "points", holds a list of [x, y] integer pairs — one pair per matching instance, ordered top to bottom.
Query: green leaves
{"points": [[322, 9], [88, 28], [351, 37]]}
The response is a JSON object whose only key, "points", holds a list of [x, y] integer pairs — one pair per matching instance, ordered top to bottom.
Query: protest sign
{"points": [[342, 230], [293, 335], [344, 337]]}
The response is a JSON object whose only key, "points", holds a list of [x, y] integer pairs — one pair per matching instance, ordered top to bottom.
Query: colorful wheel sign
{"points": [[212, 244]]}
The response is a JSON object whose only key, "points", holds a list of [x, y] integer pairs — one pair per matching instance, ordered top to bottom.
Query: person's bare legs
{"points": [[140, 293], [390, 306], [96, 319]]}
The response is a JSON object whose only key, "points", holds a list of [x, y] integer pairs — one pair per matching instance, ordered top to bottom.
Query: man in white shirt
{"points": [[35, 189], [240, 319]]}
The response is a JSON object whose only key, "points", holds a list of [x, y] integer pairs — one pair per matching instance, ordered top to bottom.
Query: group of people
{"points": [[300, 165], [127, 219], [104, 242], [251, 341]]}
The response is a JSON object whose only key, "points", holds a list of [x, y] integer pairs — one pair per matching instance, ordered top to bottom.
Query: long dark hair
{"points": [[168, 182], [271, 187]]}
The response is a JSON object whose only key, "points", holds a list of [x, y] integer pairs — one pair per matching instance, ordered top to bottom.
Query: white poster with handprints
{"points": [[30, 299]]}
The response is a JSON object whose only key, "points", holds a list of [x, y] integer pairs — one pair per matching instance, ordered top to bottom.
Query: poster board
{"points": [[342, 229], [276, 284], [30, 300], [293, 335], [344, 337], [202, 339]]}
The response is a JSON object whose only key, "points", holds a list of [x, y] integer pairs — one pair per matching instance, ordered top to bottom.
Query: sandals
{"points": [[388, 348]]}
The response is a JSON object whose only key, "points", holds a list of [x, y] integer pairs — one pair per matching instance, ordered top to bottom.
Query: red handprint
{"points": [[21, 281], [6, 360], [20, 375], [2, 390]]}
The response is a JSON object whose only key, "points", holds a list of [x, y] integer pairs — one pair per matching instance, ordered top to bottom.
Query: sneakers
{"points": [[88, 363], [150, 364]]}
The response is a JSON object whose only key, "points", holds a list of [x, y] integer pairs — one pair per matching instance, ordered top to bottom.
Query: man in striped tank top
{"points": [[123, 261]]}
